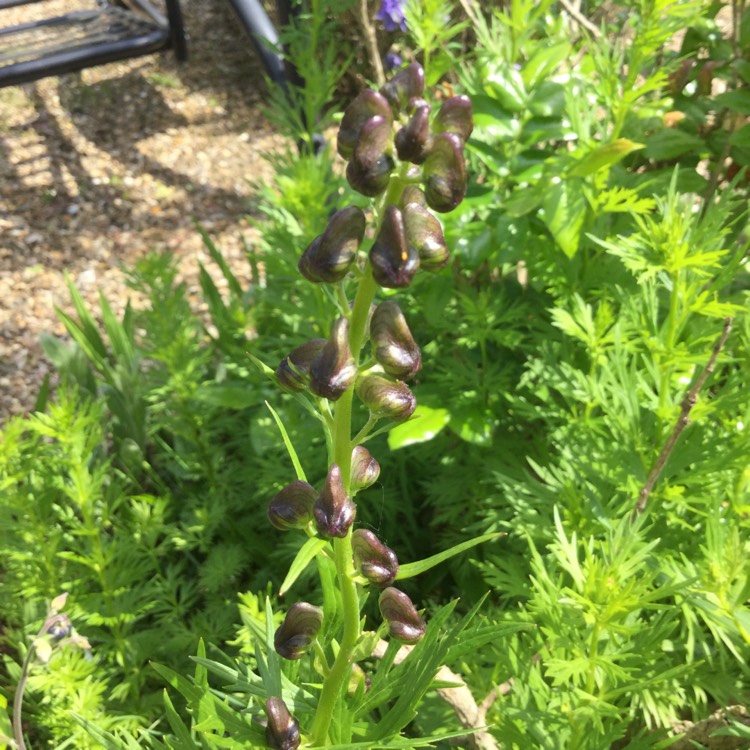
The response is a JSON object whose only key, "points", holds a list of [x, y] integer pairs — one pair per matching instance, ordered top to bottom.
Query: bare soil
{"points": [[99, 167]]}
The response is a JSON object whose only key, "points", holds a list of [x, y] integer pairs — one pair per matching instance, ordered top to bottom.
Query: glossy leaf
{"points": [[424, 425]]}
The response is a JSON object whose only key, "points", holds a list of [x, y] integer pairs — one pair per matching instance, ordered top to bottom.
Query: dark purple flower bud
{"points": [[406, 84], [365, 105], [455, 116], [413, 139], [371, 163], [444, 173], [413, 194], [425, 233], [329, 256], [394, 261], [395, 348], [334, 369], [294, 370], [390, 399], [365, 469], [292, 507], [333, 510], [374, 561], [405, 623], [295, 635], [282, 730]]}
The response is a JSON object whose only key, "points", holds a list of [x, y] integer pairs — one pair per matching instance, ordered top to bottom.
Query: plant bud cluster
{"points": [[398, 147]]}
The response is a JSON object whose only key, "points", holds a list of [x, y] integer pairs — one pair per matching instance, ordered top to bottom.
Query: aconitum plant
{"points": [[407, 156]]}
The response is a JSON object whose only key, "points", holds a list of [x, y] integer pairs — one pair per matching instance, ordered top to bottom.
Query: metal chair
{"points": [[84, 38]]}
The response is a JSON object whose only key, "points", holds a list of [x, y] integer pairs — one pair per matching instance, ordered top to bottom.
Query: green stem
{"points": [[342, 455], [339, 674], [336, 680], [18, 700]]}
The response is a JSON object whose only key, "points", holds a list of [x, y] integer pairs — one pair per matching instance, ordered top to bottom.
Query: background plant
{"points": [[599, 250]]}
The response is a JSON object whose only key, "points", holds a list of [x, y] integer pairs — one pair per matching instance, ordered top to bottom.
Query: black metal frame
{"points": [[253, 17], [151, 32], [160, 33]]}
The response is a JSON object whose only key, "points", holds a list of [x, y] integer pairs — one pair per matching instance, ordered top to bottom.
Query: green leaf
{"points": [[543, 62], [506, 85], [548, 100], [736, 101], [741, 137], [670, 143], [603, 156], [524, 200], [564, 214], [218, 258], [227, 395], [424, 425], [473, 425], [288, 443], [306, 554], [414, 569], [105, 739], [185, 741], [406, 742]]}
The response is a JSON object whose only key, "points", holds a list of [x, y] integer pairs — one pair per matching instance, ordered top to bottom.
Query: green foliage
{"points": [[600, 248]]}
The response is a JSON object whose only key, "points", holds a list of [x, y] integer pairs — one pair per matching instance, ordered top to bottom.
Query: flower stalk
{"points": [[409, 161]]}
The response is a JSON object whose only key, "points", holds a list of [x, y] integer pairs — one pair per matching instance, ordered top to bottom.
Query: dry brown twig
{"points": [[580, 19], [371, 41], [682, 421], [460, 699]]}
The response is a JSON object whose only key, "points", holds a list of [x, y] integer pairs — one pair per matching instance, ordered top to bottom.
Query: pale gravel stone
{"points": [[98, 168]]}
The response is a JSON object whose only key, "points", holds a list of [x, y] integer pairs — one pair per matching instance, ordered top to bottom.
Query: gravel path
{"points": [[99, 167]]}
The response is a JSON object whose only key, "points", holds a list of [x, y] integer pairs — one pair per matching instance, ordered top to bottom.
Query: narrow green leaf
{"points": [[604, 156], [218, 258], [88, 325], [122, 346], [262, 366], [423, 426], [288, 443], [306, 554], [414, 569], [270, 668], [201, 673], [178, 726], [107, 740], [404, 743]]}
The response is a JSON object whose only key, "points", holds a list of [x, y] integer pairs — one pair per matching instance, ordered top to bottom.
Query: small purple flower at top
{"points": [[391, 15], [392, 61]]}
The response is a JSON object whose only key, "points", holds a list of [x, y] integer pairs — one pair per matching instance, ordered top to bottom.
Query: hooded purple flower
{"points": [[391, 15]]}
